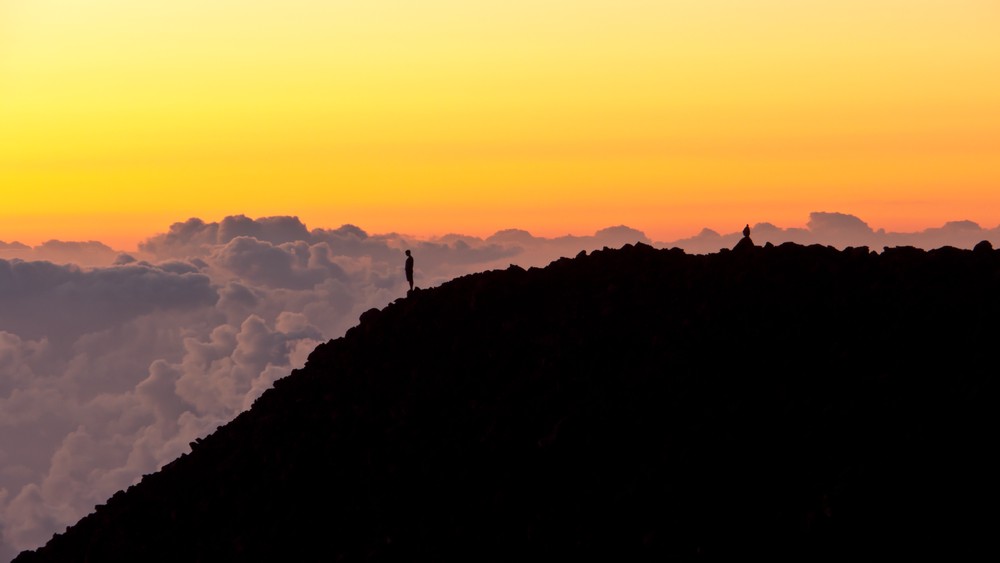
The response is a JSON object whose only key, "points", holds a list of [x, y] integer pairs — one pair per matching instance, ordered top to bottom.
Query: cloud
{"points": [[842, 230], [846, 230], [960, 234], [195, 237], [704, 242], [90, 253], [293, 265], [66, 301], [18, 359], [109, 370], [81, 434]]}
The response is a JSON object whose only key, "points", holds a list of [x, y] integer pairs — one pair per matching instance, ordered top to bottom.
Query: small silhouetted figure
{"points": [[746, 243], [409, 269]]}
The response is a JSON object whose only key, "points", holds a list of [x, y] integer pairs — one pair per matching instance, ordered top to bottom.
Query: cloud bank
{"points": [[842, 230], [112, 363]]}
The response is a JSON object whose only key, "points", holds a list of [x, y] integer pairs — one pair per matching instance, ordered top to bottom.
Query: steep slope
{"points": [[638, 404]]}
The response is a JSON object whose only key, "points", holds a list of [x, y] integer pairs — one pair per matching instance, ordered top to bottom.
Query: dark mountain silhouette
{"points": [[791, 402]]}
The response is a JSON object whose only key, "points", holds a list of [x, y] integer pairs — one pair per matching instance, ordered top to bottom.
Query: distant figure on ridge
{"points": [[746, 243], [409, 269]]}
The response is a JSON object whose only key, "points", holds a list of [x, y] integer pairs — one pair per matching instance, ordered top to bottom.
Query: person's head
{"points": [[407, 252]]}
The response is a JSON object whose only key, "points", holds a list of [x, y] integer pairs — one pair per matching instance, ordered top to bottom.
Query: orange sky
{"points": [[118, 117]]}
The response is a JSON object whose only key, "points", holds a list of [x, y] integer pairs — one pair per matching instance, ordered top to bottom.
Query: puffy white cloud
{"points": [[195, 237], [293, 265], [63, 302], [19, 359], [109, 371], [79, 446], [34, 523]]}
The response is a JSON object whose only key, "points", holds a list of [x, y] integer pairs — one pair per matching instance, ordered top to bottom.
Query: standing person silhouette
{"points": [[409, 269]]}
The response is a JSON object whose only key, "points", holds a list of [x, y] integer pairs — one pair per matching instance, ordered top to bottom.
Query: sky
{"points": [[118, 118], [193, 194]]}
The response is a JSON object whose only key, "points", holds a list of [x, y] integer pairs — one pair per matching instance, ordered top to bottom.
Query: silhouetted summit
{"points": [[794, 402]]}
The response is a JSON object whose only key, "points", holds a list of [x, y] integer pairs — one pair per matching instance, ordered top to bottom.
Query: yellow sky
{"points": [[118, 117]]}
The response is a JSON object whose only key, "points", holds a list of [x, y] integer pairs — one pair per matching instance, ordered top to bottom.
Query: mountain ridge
{"points": [[636, 403]]}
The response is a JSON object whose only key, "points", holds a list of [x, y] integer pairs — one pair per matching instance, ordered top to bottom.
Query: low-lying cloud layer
{"points": [[842, 230], [112, 363]]}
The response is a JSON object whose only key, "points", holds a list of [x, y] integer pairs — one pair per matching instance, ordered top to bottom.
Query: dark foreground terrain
{"points": [[791, 402]]}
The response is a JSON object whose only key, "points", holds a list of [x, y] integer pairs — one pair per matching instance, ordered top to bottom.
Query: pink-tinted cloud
{"points": [[841, 230], [90, 253], [42, 298], [109, 371]]}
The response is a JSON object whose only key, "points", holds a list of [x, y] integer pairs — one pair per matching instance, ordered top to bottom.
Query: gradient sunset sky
{"points": [[119, 117]]}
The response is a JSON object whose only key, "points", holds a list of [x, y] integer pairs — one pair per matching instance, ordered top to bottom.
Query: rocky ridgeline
{"points": [[791, 402]]}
